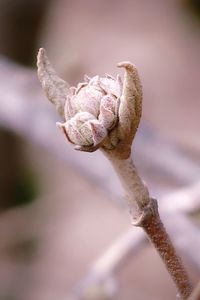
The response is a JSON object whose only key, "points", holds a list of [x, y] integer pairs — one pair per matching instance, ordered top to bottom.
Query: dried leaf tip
{"points": [[55, 88]]}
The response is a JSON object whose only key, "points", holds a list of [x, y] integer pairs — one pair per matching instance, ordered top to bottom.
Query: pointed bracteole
{"points": [[132, 70], [56, 89], [131, 101]]}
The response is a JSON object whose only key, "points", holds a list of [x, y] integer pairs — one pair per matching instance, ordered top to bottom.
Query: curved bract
{"points": [[56, 89]]}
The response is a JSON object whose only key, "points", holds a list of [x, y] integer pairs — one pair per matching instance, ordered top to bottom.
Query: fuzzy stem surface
{"points": [[144, 213], [196, 293]]}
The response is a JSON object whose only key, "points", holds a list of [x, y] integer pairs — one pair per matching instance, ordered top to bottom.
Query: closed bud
{"points": [[100, 112]]}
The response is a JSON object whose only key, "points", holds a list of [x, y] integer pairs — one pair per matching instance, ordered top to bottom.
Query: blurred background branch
{"points": [[43, 226]]}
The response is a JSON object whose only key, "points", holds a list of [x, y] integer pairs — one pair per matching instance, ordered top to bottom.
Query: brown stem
{"points": [[144, 212], [153, 226], [196, 293]]}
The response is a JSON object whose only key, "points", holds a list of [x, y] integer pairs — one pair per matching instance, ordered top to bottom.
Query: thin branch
{"points": [[22, 100], [9, 106], [105, 114], [144, 213], [182, 231], [103, 270], [196, 293]]}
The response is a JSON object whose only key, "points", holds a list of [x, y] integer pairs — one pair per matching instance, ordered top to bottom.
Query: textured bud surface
{"points": [[91, 110], [100, 112]]}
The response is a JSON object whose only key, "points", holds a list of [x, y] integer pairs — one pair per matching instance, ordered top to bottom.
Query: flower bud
{"points": [[91, 111], [100, 112]]}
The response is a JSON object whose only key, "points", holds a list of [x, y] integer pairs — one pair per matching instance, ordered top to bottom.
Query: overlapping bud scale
{"points": [[91, 110], [100, 112]]}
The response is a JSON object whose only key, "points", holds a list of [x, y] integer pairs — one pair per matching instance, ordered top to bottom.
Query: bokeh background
{"points": [[59, 209]]}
